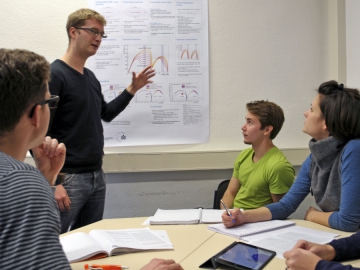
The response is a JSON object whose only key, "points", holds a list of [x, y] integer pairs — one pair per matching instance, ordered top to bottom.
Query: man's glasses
{"points": [[93, 31], [53, 102]]}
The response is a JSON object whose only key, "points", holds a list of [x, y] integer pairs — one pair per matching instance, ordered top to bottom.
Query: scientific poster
{"points": [[172, 36]]}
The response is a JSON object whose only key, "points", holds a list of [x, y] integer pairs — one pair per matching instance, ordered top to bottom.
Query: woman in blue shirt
{"points": [[331, 172]]}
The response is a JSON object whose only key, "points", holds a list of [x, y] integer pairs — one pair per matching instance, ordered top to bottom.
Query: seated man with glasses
{"points": [[77, 120], [29, 215], [29, 218]]}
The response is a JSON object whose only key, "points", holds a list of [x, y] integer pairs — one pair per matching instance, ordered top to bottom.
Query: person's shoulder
{"points": [[57, 64], [58, 71], [89, 72], [355, 143], [352, 148], [246, 151], [276, 151], [243, 155], [275, 155], [277, 162], [9, 164], [16, 173]]}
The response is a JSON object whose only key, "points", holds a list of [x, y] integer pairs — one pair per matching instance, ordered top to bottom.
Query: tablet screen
{"points": [[246, 256]]}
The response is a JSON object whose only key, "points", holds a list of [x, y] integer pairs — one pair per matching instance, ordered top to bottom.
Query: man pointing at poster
{"points": [[80, 188]]}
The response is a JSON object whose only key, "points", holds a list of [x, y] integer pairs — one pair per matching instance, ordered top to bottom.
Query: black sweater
{"points": [[77, 119], [346, 249]]}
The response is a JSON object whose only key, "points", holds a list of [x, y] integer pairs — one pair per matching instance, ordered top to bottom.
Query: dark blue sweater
{"points": [[346, 249]]}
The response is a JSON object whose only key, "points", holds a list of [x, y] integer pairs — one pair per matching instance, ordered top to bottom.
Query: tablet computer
{"points": [[244, 256]]}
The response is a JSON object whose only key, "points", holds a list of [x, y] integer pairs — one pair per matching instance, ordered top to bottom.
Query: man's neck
{"points": [[74, 60], [13, 148], [261, 149]]}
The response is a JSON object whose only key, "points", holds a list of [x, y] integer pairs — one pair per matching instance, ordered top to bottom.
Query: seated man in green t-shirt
{"points": [[262, 174]]}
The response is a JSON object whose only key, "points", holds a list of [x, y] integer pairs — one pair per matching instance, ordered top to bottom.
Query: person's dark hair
{"points": [[23, 82], [340, 107], [269, 114]]}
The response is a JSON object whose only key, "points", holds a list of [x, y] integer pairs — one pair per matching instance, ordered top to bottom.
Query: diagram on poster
{"points": [[171, 37]]}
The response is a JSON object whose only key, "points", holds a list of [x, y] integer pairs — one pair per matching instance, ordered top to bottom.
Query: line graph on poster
{"points": [[188, 52], [137, 57], [111, 90], [184, 92], [151, 93]]}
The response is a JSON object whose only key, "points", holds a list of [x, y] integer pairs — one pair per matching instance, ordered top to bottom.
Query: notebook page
{"points": [[211, 216], [251, 228], [284, 239], [79, 246]]}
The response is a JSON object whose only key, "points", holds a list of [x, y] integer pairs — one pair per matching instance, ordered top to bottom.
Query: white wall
{"points": [[353, 43], [259, 49], [273, 49]]}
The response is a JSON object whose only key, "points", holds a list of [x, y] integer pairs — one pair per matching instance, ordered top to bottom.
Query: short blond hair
{"points": [[78, 18]]}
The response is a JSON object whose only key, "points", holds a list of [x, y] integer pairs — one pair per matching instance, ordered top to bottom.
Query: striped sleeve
{"points": [[29, 219]]}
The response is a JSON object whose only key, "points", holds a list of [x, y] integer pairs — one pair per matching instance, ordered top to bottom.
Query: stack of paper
{"points": [[186, 216]]}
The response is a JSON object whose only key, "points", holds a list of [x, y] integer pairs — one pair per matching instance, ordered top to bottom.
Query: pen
{"points": [[227, 210], [104, 267]]}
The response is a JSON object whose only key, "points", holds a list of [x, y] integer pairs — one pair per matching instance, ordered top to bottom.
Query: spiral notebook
{"points": [[251, 228]]}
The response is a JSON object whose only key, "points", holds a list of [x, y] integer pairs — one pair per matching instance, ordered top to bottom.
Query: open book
{"points": [[186, 216], [251, 228], [102, 243]]}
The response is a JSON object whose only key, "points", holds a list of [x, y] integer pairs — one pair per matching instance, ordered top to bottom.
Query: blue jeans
{"points": [[87, 195]]}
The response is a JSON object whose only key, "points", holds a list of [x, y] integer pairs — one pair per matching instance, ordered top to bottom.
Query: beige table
{"points": [[185, 238], [218, 242], [193, 244]]}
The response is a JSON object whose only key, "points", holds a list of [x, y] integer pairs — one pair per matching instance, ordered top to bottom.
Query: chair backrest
{"points": [[219, 193]]}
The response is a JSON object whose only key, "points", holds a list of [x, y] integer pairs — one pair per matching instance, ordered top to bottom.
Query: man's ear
{"points": [[72, 32], [35, 119], [268, 129]]}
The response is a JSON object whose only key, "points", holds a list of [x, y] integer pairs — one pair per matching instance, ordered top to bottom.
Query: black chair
{"points": [[219, 193]]}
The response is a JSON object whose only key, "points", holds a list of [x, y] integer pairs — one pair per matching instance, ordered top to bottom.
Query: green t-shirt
{"points": [[272, 174]]}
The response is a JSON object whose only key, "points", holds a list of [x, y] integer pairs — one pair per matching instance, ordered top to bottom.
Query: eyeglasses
{"points": [[93, 31], [53, 102]]}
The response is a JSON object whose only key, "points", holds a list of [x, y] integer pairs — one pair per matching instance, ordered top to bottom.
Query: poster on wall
{"points": [[172, 36]]}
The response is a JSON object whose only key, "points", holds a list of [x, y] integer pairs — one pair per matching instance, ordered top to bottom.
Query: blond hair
{"points": [[78, 18]]}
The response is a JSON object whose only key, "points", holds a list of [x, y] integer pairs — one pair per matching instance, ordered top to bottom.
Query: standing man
{"points": [[262, 174], [80, 193]]}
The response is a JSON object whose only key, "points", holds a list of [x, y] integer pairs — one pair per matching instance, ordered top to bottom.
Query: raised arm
{"points": [[140, 80], [112, 109]]}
